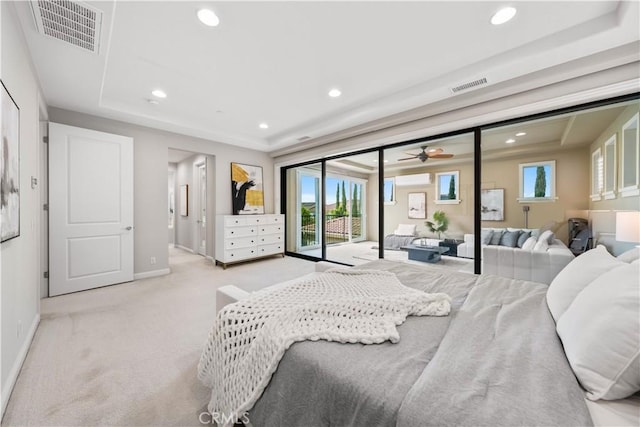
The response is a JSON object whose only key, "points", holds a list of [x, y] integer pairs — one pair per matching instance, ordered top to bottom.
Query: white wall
{"points": [[150, 177], [20, 290]]}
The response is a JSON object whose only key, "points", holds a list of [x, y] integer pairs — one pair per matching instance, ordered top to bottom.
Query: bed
{"points": [[495, 360]]}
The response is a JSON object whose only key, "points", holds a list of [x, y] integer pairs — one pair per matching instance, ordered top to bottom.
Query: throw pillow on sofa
{"points": [[485, 236], [524, 236], [548, 236], [495, 237], [510, 238], [529, 244]]}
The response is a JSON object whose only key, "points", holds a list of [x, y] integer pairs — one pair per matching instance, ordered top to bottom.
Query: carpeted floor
{"points": [[126, 355]]}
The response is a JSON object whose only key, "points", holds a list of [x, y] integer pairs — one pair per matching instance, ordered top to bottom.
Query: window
{"points": [[630, 158], [610, 171], [596, 175], [538, 181], [447, 188], [389, 191]]}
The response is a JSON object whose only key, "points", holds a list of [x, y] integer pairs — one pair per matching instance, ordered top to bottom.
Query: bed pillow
{"points": [[405, 230], [485, 236], [524, 236], [495, 237], [510, 238], [529, 244], [630, 256], [572, 279], [600, 331]]}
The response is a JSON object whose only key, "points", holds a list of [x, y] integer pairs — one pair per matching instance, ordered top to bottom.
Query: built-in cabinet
{"points": [[247, 237]]}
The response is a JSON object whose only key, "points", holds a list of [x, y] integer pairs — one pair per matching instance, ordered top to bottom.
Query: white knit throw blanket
{"points": [[249, 337]]}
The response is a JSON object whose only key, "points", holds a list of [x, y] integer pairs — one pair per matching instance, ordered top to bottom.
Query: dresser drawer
{"points": [[275, 219], [235, 221], [270, 229], [240, 232], [270, 238], [240, 242], [276, 248], [241, 253]]}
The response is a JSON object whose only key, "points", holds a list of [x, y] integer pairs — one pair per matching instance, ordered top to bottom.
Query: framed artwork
{"points": [[9, 168], [247, 194], [184, 200], [492, 202], [417, 205]]}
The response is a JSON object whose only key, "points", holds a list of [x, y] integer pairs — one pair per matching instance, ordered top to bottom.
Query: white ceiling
{"points": [[275, 62]]}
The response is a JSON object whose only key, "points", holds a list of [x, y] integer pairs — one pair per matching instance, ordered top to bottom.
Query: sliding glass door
{"points": [[304, 190]]}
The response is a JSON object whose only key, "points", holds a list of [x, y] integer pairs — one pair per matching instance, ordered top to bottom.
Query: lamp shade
{"points": [[628, 226]]}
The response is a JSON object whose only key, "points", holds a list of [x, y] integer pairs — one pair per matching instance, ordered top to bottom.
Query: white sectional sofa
{"points": [[539, 263]]}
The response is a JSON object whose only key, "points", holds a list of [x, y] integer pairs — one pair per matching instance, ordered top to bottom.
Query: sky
{"points": [[308, 185]]}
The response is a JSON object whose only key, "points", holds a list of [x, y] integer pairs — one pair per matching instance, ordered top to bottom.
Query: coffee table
{"points": [[430, 254]]}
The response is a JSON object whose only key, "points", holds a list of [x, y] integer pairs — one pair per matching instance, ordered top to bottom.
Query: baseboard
{"points": [[184, 248], [153, 273], [7, 388]]}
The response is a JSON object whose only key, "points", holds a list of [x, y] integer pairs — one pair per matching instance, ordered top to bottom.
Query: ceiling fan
{"points": [[431, 153]]}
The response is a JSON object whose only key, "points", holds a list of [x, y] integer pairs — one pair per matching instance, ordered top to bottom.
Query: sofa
{"points": [[537, 256]]}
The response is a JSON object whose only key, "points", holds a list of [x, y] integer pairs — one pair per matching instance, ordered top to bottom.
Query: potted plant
{"points": [[440, 223]]}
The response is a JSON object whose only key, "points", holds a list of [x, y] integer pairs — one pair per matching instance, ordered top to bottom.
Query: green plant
{"points": [[440, 223]]}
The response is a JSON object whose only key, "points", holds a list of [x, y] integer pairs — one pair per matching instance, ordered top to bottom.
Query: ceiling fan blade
{"points": [[411, 154], [441, 156], [409, 158]]}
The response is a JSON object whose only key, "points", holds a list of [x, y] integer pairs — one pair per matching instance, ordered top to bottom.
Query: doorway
{"points": [[190, 208]]}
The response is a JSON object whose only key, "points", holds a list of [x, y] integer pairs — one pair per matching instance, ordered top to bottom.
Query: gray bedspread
{"points": [[395, 242], [496, 360]]}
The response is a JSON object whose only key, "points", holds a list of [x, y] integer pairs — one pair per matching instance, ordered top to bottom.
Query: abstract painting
{"points": [[9, 167], [247, 194], [492, 202], [417, 205]]}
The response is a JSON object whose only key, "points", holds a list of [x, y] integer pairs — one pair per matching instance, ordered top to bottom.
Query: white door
{"points": [[90, 209], [202, 209]]}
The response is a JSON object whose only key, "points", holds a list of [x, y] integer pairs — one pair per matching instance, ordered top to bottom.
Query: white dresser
{"points": [[247, 237]]}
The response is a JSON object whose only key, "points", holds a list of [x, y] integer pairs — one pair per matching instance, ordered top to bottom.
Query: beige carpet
{"points": [[126, 355]]}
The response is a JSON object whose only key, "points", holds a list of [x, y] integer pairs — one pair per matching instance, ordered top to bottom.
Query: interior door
{"points": [[90, 209], [202, 209]]}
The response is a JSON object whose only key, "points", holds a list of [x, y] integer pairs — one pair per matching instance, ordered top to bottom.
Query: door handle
{"points": [[129, 228]]}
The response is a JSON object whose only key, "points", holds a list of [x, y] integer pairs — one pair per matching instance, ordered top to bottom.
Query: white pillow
{"points": [[405, 230], [547, 236], [529, 244], [542, 245], [630, 256], [581, 271], [600, 333]]}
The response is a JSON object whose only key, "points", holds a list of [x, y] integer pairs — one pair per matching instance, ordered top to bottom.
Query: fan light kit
{"points": [[424, 155]]}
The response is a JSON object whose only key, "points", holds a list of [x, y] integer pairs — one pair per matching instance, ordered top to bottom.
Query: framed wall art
{"points": [[9, 168], [247, 189], [492, 202], [417, 204]]}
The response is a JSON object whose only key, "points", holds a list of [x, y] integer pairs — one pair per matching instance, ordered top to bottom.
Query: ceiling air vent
{"points": [[70, 21], [469, 85]]}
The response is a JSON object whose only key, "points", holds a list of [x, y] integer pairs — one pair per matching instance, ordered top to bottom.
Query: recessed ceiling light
{"points": [[503, 15], [208, 17], [159, 93], [334, 93], [263, 126], [521, 134], [510, 141]]}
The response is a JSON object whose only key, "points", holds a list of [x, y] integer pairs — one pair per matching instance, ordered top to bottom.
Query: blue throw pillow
{"points": [[485, 236], [495, 238], [510, 238], [523, 238]]}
